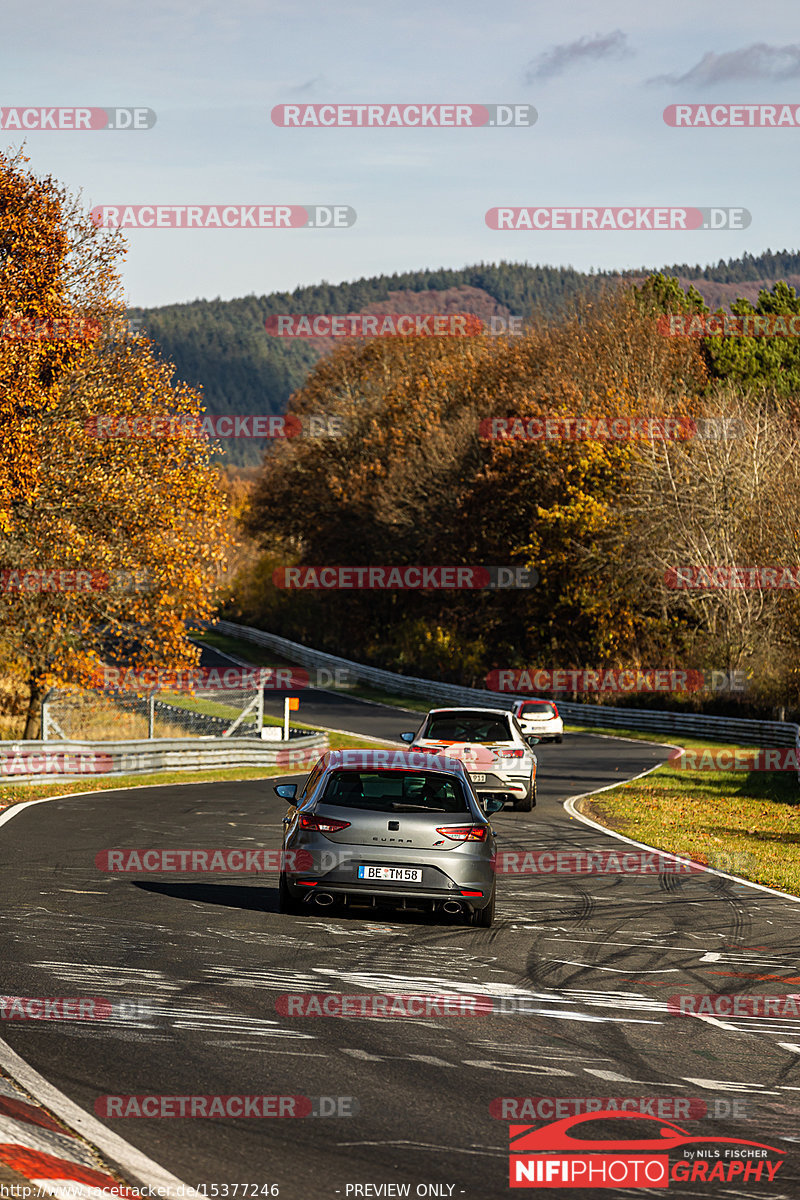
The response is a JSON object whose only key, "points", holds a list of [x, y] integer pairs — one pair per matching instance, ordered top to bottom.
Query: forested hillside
{"points": [[222, 345], [417, 477]]}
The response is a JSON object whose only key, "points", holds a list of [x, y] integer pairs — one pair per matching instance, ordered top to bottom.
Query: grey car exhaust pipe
{"points": [[323, 899], [453, 906]]}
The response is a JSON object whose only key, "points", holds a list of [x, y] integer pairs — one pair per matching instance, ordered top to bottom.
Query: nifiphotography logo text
{"points": [[573, 1153]]}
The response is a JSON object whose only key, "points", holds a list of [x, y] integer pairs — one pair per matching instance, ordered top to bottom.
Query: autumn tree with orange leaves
{"points": [[416, 480], [413, 481], [112, 520]]}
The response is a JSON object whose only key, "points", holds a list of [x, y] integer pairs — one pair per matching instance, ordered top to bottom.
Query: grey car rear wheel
{"points": [[529, 802], [286, 901]]}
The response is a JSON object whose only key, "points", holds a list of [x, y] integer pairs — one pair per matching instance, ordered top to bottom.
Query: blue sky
{"points": [[598, 75]]}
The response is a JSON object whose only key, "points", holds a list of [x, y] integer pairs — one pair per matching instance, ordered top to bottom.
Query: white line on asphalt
{"points": [[570, 962], [430, 1059], [484, 1064], [612, 1076], [728, 1085], [123, 1154]]}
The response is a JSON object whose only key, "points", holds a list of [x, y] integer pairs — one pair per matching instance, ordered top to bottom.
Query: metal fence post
{"points": [[151, 715]]}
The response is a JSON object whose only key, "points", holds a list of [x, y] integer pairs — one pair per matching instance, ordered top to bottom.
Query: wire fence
{"points": [[88, 715]]}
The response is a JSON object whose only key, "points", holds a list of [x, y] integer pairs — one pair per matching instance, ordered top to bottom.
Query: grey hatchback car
{"points": [[397, 827]]}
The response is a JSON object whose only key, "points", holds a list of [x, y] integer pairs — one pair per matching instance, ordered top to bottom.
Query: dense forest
{"points": [[222, 345], [604, 523]]}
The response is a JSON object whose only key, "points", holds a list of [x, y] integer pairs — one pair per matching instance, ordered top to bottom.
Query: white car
{"points": [[540, 718], [491, 744]]}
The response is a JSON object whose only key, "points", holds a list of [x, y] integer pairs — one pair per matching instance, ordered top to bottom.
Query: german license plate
{"points": [[477, 778], [392, 874]]}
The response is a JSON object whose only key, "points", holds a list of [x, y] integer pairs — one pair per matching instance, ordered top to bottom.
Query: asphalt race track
{"points": [[201, 961]]}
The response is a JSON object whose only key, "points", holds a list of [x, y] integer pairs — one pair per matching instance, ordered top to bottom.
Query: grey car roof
{"points": [[470, 708], [394, 760]]}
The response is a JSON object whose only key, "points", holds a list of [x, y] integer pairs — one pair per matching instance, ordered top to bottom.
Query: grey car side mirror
{"points": [[532, 741], [286, 791], [494, 805]]}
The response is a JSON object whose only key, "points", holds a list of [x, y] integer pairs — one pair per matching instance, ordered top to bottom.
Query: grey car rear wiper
{"points": [[418, 808]]}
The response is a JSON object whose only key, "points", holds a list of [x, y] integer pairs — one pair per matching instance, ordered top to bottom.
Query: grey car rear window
{"points": [[395, 791]]}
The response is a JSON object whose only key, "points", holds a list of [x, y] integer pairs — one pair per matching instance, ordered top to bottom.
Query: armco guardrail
{"points": [[724, 729], [728, 729], [24, 762]]}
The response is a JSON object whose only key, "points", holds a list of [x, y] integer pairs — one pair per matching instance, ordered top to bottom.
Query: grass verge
{"points": [[744, 822]]}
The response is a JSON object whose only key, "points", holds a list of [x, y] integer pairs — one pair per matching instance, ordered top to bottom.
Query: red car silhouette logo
{"points": [[526, 1139]]}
